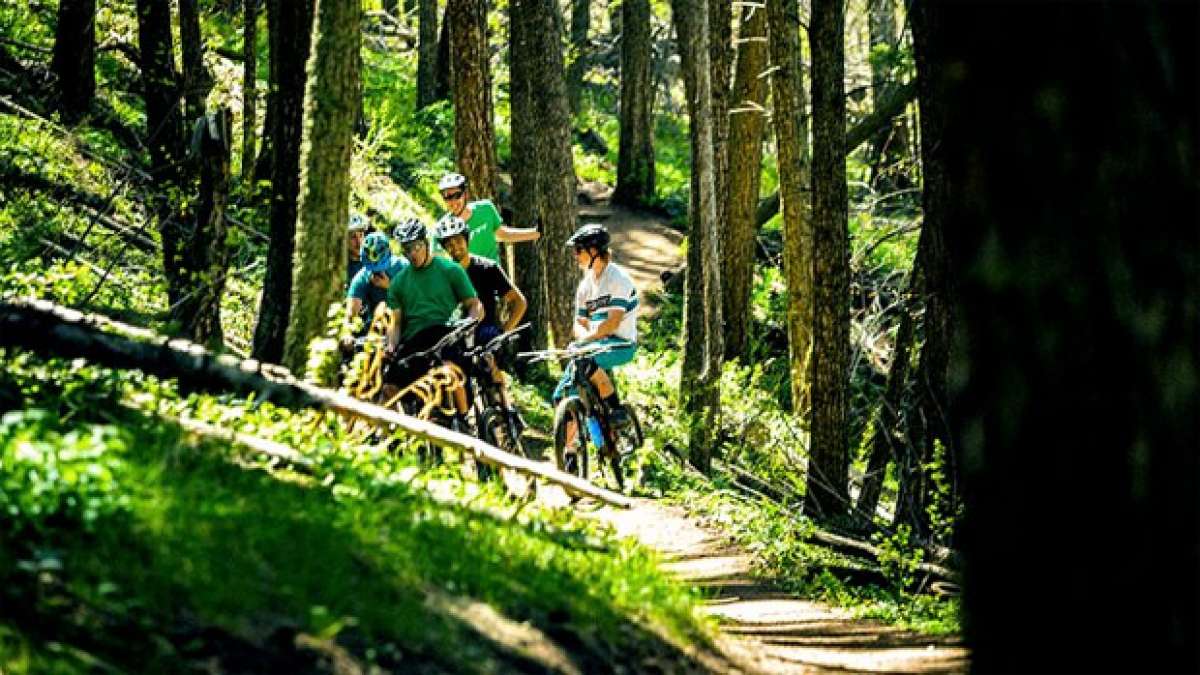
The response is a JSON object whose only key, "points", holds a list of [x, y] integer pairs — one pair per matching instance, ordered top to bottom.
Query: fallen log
{"points": [[52, 330]]}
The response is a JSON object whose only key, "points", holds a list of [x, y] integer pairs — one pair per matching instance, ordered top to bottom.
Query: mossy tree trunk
{"points": [[291, 35], [427, 52], [580, 55], [74, 60], [720, 60], [196, 80], [249, 92], [332, 101], [746, 126], [474, 128], [791, 138], [635, 154], [556, 169], [206, 258], [530, 260], [700, 383], [827, 493]]}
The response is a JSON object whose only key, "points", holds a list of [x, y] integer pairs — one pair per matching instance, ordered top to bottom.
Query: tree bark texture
{"points": [[291, 34], [427, 52], [580, 54], [74, 60], [720, 60], [443, 72], [196, 80], [249, 91], [332, 101], [746, 125], [474, 127], [164, 131], [791, 138], [889, 146], [635, 153], [523, 162], [556, 169], [1072, 179], [700, 383], [828, 466]]}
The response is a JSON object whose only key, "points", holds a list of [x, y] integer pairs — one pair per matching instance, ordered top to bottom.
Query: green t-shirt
{"points": [[484, 222], [428, 295]]}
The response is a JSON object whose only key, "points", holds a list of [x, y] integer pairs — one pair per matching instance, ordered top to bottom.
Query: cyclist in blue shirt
{"points": [[369, 287]]}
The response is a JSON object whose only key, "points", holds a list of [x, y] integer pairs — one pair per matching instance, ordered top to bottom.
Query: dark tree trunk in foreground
{"points": [[291, 32], [427, 52], [580, 55], [720, 60], [74, 61], [196, 80], [441, 90], [249, 91], [332, 102], [747, 123], [474, 129], [164, 131], [791, 137], [889, 146], [635, 154], [556, 170], [530, 260], [700, 384], [1075, 396], [828, 462]]}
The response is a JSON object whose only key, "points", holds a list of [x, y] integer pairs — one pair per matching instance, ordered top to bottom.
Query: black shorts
{"points": [[404, 374]]}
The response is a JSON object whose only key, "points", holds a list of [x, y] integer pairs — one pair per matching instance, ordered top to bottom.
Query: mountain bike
{"points": [[581, 421], [495, 422]]}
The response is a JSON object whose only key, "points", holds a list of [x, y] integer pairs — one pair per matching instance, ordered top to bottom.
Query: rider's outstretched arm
{"points": [[512, 235], [606, 327]]}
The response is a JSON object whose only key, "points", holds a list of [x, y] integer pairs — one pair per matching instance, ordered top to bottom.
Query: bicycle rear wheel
{"points": [[571, 454]]}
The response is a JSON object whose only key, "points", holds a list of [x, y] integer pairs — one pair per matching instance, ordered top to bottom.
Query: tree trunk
{"points": [[291, 32], [427, 52], [580, 54], [720, 54], [74, 61], [196, 80], [441, 90], [249, 92], [331, 104], [746, 125], [474, 129], [164, 131], [791, 138], [889, 146], [266, 152], [635, 154], [556, 170], [1070, 225], [206, 257], [530, 260], [700, 383], [827, 495]]}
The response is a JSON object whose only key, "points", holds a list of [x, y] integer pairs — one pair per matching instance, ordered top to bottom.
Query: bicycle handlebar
{"points": [[458, 331], [497, 342], [569, 353]]}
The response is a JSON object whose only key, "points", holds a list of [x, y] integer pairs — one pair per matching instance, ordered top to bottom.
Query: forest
{"points": [[580, 336]]}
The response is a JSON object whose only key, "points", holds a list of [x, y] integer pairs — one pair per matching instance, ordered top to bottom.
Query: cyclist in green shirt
{"points": [[487, 227]]}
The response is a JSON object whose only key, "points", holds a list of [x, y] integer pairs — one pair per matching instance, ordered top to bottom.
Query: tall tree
{"points": [[290, 26], [427, 52], [580, 55], [720, 60], [74, 61], [196, 80], [249, 90], [441, 90], [332, 102], [746, 126], [474, 128], [164, 131], [791, 138], [889, 145], [635, 154], [556, 170], [530, 260], [700, 384], [1075, 395], [828, 464]]}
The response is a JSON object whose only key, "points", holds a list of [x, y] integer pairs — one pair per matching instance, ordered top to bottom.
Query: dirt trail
{"points": [[763, 630]]}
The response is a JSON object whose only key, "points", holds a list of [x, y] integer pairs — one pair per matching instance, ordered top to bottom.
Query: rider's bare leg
{"points": [[604, 386]]}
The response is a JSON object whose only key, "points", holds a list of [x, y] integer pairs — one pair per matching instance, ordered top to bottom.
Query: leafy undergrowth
{"points": [[128, 543]]}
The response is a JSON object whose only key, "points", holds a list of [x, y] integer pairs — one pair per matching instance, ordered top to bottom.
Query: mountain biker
{"points": [[486, 225], [356, 232], [490, 282], [369, 286], [422, 298], [606, 304]]}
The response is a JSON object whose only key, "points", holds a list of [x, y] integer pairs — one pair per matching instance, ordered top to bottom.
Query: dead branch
{"points": [[53, 330]]}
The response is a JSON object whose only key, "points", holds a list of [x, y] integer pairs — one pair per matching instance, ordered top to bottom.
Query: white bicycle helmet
{"points": [[452, 180], [358, 222]]}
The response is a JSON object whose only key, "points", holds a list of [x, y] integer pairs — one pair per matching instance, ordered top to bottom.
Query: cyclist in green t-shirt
{"points": [[487, 227]]}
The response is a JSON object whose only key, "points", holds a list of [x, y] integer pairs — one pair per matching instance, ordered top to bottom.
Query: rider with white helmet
{"points": [[482, 217]]}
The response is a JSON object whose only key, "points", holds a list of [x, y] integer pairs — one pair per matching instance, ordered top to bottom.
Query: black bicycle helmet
{"points": [[450, 226], [409, 231], [590, 235]]}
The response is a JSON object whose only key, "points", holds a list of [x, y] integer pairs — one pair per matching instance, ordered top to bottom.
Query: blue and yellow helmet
{"points": [[376, 252]]}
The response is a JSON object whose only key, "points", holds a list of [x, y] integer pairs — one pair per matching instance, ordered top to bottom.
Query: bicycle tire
{"points": [[572, 460]]}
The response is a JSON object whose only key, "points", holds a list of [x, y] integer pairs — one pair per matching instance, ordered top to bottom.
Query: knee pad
{"points": [[587, 367]]}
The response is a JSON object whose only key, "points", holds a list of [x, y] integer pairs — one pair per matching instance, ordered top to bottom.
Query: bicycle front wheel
{"points": [[571, 437]]}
